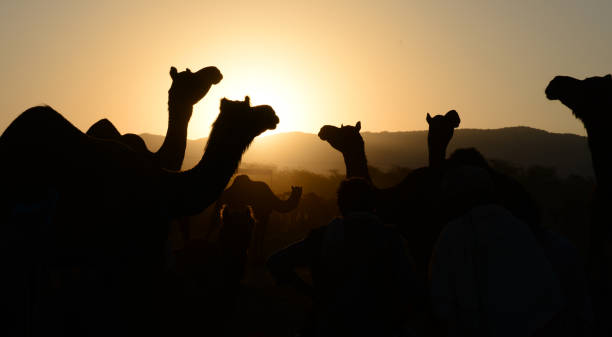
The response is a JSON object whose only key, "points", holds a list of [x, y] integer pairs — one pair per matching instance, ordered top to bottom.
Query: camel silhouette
{"points": [[186, 90], [591, 102], [441, 130], [349, 142], [258, 195], [410, 204], [313, 211], [107, 214], [237, 226], [211, 272]]}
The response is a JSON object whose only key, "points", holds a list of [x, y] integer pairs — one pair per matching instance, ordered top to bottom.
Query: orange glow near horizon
{"points": [[279, 90]]}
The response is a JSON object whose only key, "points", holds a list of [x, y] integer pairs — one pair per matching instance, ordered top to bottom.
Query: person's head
{"points": [[468, 156], [465, 187], [355, 195]]}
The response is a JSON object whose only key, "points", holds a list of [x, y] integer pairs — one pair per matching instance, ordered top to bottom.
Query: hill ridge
{"points": [[523, 146]]}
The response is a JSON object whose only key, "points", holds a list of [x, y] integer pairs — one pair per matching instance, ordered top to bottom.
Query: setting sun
{"points": [[277, 89]]}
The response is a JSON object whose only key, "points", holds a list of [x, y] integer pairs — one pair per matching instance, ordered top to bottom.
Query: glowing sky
{"points": [[386, 63]]}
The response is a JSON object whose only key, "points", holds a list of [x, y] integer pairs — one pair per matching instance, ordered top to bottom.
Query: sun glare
{"points": [[276, 90], [278, 97]]}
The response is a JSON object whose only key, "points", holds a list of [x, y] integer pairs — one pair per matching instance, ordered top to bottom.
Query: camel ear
{"points": [[188, 70], [173, 72], [247, 100], [224, 102], [453, 117], [428, 118], [341, 125], [358, 126]]}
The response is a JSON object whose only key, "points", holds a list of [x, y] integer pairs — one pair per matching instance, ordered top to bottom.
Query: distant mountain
{"points": [[523, 146]]}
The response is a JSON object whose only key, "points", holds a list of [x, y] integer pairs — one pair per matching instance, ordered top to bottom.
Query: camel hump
{"points": [[39, 114], [39, 121], [103, 129], [134, 142]]}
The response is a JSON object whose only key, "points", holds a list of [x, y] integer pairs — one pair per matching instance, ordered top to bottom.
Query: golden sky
{"points": [[386, 63]]}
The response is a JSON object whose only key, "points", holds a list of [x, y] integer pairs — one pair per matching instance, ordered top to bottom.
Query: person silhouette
{"points": [[489, 275], [363, 280]]}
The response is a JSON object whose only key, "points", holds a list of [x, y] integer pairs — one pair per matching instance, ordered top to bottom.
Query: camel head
{"points": [[189, 88], [583, 97], [240, 119], [441, 128], [344, 138], [242, 179], [296, 192], [259, 196], [242, 215], [238, 224]]}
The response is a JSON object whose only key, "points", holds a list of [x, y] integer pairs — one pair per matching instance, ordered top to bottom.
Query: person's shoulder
{"points": [[362, 218], [391, 228], [319, 232], [389, 232], [560, 245]]}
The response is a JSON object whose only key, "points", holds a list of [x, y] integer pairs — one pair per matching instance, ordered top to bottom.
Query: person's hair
{"points": [[468, 156], [465, 187], [355, 195]]}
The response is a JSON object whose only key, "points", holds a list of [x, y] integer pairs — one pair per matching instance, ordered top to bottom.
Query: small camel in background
{"points": [[258, 195], [209, 275]]}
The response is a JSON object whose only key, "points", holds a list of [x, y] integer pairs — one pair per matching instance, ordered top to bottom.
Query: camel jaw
{"points": [[210, 74], [559, 85], [551, 94], [267, 116], [275, 121], [324, 132]]}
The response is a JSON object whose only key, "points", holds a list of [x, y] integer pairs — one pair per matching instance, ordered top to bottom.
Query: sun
{"points": [[280, 92], [277, 96]]}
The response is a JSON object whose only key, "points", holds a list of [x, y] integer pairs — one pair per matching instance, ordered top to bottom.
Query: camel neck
{"points": [[597, 139], [172, 152], [436, 156], [356, 163], [199, 187], [284, 206]]}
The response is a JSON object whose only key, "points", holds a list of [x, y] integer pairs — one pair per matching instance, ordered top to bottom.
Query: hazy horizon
{"points": [[386, 64], [266, 134], [523, 147]]}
